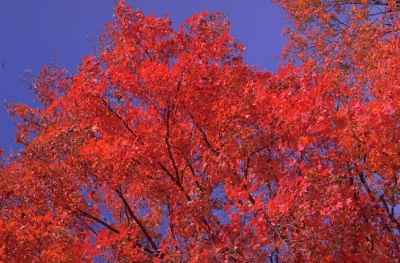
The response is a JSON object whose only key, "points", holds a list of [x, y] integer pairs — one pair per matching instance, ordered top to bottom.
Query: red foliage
{"points": [[167, 147]]}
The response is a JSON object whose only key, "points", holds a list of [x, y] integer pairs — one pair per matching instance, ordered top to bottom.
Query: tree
{"points": [[337, 33], [357, 44], [166, 147]]}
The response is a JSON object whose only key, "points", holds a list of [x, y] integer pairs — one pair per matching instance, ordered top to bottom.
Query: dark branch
{"points": [[104, 103], [171, 156], [366, 186], [98, 220], [137, 220]]}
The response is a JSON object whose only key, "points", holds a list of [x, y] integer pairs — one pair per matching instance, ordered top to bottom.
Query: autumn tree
{"points": [[338, 33], [356, 43], [166, 147]]}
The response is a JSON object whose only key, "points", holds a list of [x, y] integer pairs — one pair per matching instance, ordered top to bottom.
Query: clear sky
{"points": [[34, 33]]}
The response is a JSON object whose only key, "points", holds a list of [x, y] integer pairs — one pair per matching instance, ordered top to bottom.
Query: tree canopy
{"points": [[166, 147]]}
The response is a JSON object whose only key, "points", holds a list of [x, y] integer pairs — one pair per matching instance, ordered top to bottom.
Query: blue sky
{"points": [[36, 33]]}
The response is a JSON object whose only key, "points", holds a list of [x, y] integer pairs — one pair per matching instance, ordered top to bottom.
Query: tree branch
{"points": [[104, 103], [169, 147], [366, 186], [98, 220], [137, 220]]}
